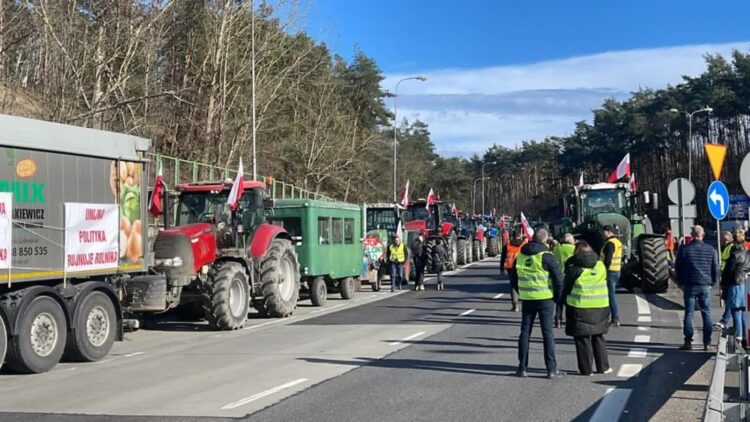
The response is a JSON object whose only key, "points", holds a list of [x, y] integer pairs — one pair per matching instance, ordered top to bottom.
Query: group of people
{"points": [[397, 256], [569, 276]]}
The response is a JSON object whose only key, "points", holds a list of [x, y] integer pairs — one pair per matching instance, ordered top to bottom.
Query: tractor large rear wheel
{"points": [[461, 246], [492, 246], [476, 248], [428, 250], [452, 255], [654, 264], [279, 279], [227, 296]]}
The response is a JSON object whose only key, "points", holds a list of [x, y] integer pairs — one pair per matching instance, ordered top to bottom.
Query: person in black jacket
{"points": [[439, 258], [420, 261], [733, 283], [587, 317]]}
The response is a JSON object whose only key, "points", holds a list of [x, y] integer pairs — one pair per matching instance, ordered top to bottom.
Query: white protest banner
{"points": [[6, 228], [91, 232]]}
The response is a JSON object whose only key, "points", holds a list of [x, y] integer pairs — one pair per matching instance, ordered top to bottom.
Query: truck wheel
{"points": [[492, 248], [476, 250], [461, 252], [654, 265], [279, 278], [346, 286], [318, 291], [226, 296], [94, 324], [41, 338], [3, 341]]}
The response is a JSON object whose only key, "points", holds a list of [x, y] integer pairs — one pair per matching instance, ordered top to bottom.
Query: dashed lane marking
{"points": [[499, 295], [643, 308], [327, 309], [469, 312], [644, 318], [276, 321], [644, 328], [411, 337], [642, 339], [637, 352], [130, 355], [628, 370], [263, 394], [612, 405]]}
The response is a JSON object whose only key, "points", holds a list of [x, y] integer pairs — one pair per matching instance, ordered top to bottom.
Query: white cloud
{"points": [[470, 109]]}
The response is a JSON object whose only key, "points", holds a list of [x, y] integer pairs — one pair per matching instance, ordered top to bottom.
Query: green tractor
{"points": [[645, 256]]}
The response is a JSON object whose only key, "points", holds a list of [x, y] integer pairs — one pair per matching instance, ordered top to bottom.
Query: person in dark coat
{"points": [[439, 258], [420, 261], [733, 283], [587, 308]]}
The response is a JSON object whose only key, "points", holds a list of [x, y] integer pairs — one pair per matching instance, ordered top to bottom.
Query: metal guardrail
{"points": [[176, 171], [727, 360]]}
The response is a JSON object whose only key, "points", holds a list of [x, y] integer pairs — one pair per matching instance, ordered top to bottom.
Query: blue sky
{"points": [[502, 72]]}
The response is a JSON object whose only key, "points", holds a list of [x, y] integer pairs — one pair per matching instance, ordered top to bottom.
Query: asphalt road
{"points": [[415, 356]]}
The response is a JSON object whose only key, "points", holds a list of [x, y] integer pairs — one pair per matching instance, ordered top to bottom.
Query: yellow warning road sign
{"points": [[716, 154]]}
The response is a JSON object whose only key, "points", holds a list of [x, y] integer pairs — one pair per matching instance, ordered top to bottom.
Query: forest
{"points": [[181, 72]]}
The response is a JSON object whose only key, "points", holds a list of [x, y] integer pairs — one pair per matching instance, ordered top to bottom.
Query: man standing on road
{"points": [[727, 246], [563, 251], [397, 256], [612, 257], [508, 260], [420, 261], [697, 268], [539, 282]]}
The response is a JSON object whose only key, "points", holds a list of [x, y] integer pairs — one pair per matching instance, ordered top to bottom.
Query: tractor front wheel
{"points": [[492, 246], [476, 249], [461, 251], [654, 265], [227, 296]]}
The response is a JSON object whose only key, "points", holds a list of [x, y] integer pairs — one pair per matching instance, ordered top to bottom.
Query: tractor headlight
{"points": [[169, 262]]}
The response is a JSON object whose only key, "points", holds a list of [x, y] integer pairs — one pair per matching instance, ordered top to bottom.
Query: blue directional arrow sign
{"points": [[718, 200]]}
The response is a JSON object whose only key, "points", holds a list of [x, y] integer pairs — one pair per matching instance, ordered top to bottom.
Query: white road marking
{"points": [[373, 295], [499, 295], [643, 308], [326, 309], [469, 312], [643, 318], [276, 321], [644, 328], [411, 337], [642, 339], [637, 352], [130, 355], [99, 362], [628, 370], [263, 394], [612, 405]]}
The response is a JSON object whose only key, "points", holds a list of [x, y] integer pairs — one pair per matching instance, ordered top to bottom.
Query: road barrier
{"points": [[176, 171], [728, 359]]}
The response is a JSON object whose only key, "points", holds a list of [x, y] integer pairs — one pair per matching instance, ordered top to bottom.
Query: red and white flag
{"points": [[622, 170], [580, 181], [238, 186], [633, 186], [405, 197], [431, 199], [155, 207], [454, 210], [527, 230]]}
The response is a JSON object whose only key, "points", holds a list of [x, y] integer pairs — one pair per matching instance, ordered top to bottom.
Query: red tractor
{"points": [[429, 221], [215, 262]]}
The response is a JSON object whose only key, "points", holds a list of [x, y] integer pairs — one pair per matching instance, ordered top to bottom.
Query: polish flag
{"points": [[622, 170], [580, 181], [238, 186], [633, 186], [405, 197], [431, 199], [155, 208], [527, 230]]}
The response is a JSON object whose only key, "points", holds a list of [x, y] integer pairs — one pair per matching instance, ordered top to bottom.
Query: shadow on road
{"points": [[427, 365]]}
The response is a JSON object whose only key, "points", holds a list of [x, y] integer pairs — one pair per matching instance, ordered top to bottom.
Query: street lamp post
{"points": [[395, 121], [690, 134], [493, 163], [473, 193]]}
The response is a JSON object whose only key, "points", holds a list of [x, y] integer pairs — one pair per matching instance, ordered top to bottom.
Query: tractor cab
{"points": [[429, 220]]}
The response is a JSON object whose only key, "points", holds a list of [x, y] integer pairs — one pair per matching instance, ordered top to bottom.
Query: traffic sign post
{"points": [[682, 215]]}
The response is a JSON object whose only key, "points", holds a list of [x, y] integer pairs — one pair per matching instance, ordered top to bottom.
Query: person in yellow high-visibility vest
{"points": [[728, 245], [563, 251], [611, 255], [397, 257], [538, 279], [587, 308]]}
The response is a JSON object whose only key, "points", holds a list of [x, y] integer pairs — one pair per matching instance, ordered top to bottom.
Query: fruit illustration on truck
{"points": [[429, 221], [382, 222], [327, 238], [645, 256], [74, 266]]}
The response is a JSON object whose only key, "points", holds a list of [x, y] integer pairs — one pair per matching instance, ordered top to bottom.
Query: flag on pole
{"points": [[622, 170], [580, 181], [238, 186], [633, 186], [405, 197], [431, 199], [155, 207], [454, 210], [527, 230], [399, 232]]}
